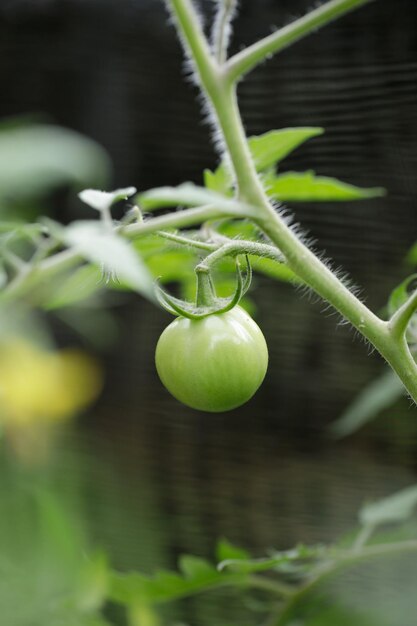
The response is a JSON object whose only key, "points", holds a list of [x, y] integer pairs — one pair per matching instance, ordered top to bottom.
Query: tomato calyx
{"points": [[207, 303]]}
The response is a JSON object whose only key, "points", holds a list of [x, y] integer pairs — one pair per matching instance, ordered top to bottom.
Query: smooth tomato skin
{"points": [[214, 364]]}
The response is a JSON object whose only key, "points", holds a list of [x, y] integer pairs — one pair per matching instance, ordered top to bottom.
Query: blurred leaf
{"points": [[272, 147], [36, 158], [219, 181], [307, 187], [187, 194], [103, 200], [20, 229], [240, 229], [110, 252], [411, 257], [172, 265], [272, 269], [3, 275], [76, 287], [401, 294], [96, 325], [374, 398], [396, 508], [59, 530], [227, 551], [299, 559], [196, 568], [197, 575], [94, 583], [319, 613]]}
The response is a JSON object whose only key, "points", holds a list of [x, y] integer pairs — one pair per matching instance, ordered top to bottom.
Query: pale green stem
{"points": [[221, 29], [245, 61], [186, 241], [233, 248], [299, 258], [30, 276], [401, 318], [363, 537], [272, 586]]}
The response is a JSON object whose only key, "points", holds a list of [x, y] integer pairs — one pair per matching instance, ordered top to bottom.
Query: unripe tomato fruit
{"points": [[215, 363]]}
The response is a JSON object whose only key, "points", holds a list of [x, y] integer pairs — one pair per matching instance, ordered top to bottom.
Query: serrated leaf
{"points": [[272, 147], [267, 150], [36, 158], [220, 180], [307, 187], [103, 200], [111, 252], [374, 398], [396, 508], [227, 551], [167, 586]]}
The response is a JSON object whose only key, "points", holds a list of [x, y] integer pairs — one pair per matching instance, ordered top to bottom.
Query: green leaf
{"points": [[272, 147], [267, 150], [36, 158], [219, 181], [307, 187], [187, 195], [103, 200], [21, 229], [110, 252], [411, 257], [172, 265], [272, 269], [3, 275], [78, 286], [401, 294], [374, 398], [396, 508], [227, 551], [299, 559], [195, 568], [198, 575], [94, 583]]}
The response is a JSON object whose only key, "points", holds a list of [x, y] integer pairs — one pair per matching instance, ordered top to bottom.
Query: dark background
{"points": [[266, 474]]}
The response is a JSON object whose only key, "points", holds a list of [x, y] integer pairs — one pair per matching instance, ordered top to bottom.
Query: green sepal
{"points": [[176, 306]]}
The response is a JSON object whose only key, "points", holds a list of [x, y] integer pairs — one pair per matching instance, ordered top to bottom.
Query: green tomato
{"points": [[215, 363]]}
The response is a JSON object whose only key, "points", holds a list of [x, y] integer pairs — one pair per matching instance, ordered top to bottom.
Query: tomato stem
{"points": [[218, 84], [206, 295]]}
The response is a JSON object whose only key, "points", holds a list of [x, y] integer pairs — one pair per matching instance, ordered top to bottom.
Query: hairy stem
{"points": [[222, 28], [245, 61], [221, 93], [187, 241], [233, 248], [31, 276]]}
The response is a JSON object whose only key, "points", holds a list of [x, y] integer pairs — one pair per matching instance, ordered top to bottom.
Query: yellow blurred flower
{"points": [[40, 386]]}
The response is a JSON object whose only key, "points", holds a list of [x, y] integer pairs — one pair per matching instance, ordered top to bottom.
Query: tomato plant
{"points": [[215, 363]]}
